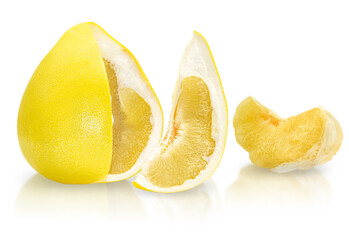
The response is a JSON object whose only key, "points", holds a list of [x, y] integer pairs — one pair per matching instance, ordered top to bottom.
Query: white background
{"points": [[289, 55]]}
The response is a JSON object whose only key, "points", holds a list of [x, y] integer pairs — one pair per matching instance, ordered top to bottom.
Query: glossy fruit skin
{"points": [[65, 121]]}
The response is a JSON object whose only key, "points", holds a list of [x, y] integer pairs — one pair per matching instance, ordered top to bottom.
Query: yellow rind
{"points": [[53, 136], [122, 179], [139, 186]]}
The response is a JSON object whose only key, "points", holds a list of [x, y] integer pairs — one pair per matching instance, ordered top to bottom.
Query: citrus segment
{"points": [[285, 144], [192, 148]]}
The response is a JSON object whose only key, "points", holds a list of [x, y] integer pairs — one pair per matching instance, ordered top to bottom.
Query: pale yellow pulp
{"points": [[131, 124], [188, 139], [273, 141]]}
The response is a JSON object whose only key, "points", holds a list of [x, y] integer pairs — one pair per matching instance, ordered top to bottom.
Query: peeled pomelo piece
{"points": [[88, 113], [300, 142], [194, 143]]}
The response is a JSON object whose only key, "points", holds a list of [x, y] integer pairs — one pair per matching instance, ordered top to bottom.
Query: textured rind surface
{"points": [[64, 120], [314, 141]]}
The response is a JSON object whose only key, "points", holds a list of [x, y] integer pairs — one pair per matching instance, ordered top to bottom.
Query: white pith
{"points": [[198, 61], [129, 75], [324, 149]]}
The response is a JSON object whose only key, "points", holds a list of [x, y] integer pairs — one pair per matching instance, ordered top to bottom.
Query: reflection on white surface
{"points": [[261, 188], [40, 197], [43, 198], [198, 205]]}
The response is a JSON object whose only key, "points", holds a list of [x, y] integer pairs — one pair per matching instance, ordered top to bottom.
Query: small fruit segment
{"points": [[88, 114], [301, 142], [193, 145]]}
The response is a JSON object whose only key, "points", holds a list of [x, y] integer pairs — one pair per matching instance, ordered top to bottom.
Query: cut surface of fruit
{"points": [[88, 114], [137, 116], [131, 126], [188, 141], [300, 142], [193, 145]]}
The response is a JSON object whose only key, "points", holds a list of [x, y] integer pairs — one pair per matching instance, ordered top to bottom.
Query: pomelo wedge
{"points": [[195, 139]]}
